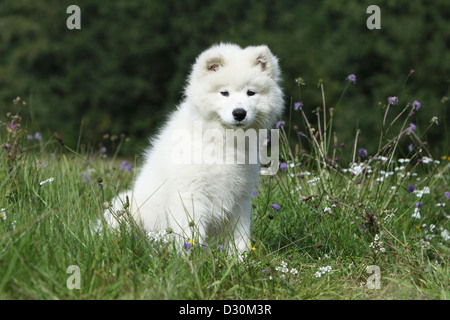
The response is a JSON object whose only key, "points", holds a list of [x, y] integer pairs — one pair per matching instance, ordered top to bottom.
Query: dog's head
{"points": [[236, 87]]}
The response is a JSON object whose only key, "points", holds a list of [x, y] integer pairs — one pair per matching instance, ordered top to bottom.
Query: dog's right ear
{"points": [[213, 62]]}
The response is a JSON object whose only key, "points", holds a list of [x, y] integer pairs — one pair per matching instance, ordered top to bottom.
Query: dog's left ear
{"points": [[268, 63]]}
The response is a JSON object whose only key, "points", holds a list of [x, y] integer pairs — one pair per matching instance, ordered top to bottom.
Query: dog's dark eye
{"points": [[225, 93], [251, 93]]}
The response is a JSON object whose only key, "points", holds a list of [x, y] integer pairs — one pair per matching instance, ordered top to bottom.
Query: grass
{"points": [[333, 220]]}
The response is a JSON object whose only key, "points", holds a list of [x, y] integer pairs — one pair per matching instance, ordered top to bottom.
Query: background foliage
{"points": [[125, 69]]}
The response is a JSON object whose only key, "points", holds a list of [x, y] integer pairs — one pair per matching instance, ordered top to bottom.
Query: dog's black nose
{"points": [[239, 114]]}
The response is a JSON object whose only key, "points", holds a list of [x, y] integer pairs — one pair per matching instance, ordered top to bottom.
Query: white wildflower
{"points": [[427, 160], [356, 168], [313, 180], [46, 181], [420, 193], [327, 209], [416, 213], [388, 216], [445, 234], [159, 236], [424, 244], [377, 245], [283, 268], [325, 269], [322, 271]]}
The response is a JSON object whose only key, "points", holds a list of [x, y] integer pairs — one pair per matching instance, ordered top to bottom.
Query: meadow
{"points": [[335, 222]]}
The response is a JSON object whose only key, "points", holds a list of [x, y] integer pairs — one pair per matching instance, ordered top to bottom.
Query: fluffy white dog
{"points": [[191, 181]]}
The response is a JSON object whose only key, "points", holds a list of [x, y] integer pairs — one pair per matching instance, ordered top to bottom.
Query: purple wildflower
{"points": [[351, 78], [393, 100], [416, 105], [298, 106], [279, 124], [12, 127], [412, 127], [300, 133], [37, 136], [410, 147], [103, 152], [362, 152], [126, 166], [283, 166], [86, 177], [411, 189], [254, 194], [447, 194], [419, 204], [276, 207], [187, 245], [220, 247]]}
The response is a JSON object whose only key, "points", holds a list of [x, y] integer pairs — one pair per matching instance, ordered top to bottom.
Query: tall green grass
{"points": [[329, 213]]}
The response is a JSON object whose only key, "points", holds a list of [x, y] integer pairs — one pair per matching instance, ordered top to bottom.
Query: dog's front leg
{"points": [[241, 232]]}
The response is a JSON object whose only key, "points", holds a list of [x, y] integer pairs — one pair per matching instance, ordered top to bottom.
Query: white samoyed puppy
{"points": [[190, 181]]}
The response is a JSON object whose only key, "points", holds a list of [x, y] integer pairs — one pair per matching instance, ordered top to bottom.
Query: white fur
{"points": [[173, 189]]}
